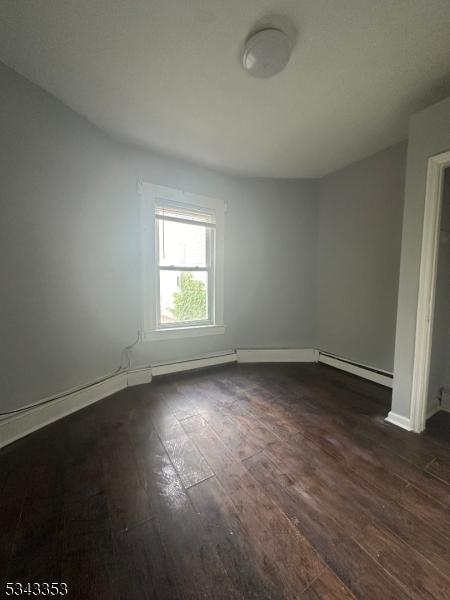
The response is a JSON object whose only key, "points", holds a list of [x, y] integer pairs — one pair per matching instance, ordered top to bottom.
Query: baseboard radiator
{"points": [[376, 375], [19, 424]]}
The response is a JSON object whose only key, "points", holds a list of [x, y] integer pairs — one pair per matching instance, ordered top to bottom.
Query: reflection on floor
{"points": [[247, 481]]}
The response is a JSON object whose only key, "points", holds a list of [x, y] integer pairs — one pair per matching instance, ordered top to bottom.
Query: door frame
{"points": [[427, 289]]}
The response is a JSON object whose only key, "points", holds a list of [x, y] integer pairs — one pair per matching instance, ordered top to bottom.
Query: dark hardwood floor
{"points": [[247, 481]]}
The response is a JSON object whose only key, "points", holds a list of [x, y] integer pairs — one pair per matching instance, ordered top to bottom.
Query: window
{"points": [[183, 258], [185, 264]]}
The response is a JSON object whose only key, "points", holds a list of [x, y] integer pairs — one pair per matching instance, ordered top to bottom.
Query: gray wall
{"points": [[429, 134], [360, 222], [70, 250], [440, 351]]}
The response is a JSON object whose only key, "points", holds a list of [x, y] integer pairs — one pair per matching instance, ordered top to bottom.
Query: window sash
{"points": [[194, 214], [186, 221], [183, 268], [209, 268]]}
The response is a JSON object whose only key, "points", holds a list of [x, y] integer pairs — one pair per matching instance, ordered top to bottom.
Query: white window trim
{"points": [[149, 193]]}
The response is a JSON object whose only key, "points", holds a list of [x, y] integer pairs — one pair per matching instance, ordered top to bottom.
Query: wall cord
{"points": [[125, 356]]}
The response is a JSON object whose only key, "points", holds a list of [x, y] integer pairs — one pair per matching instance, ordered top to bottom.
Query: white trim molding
{"points": [[427, 289], [269, 355], [195, 363], [364, 371], [139, 376], [51, 409], [399, 420], [27, 421], [18, 425]]}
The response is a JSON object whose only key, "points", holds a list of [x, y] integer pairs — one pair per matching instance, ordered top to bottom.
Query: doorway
{"points": [[425, 395], [438, 396]]}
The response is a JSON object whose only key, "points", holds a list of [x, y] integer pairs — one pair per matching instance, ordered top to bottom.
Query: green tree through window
{"points": [[189, 304]]}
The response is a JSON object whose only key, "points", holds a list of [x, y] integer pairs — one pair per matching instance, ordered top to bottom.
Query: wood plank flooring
{"points": [[240, 482]]}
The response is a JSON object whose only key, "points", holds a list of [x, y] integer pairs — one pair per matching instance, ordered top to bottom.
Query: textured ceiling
{"points": [[166, 75]]}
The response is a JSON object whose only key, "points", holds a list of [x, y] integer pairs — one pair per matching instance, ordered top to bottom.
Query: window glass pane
{"points": [[181, 244], [183, 296]]}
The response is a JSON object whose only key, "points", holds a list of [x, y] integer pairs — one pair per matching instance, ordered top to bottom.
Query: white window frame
{"points": [[155, 195]]}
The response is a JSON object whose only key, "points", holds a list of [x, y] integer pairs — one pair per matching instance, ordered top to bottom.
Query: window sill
{"points": [[182, 332]]}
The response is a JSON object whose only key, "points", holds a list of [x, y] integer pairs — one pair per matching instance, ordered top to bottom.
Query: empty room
{"points": [[225, 300]]}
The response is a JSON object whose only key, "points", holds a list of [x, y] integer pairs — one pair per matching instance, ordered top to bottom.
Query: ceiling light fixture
{"points": [[266, 53]]}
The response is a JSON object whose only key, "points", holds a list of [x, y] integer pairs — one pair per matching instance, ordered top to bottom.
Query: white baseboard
{"points": [[263, 355], [195, 363], [356, 369], [139, 376], [399, 420], [23, 423], [16, 426]]}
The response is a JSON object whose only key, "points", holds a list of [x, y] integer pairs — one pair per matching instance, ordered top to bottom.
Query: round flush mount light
{"points": [[266, 52]]}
